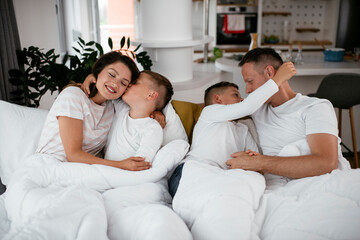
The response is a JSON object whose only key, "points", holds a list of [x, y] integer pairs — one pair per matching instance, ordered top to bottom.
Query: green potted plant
{"points": [[42, 72]]}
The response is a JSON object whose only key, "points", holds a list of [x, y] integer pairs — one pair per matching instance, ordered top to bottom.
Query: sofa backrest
{"points": [[20, 129]]}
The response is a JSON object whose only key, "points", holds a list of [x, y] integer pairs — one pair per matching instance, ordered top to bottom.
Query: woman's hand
{"points": [[87, 82], [160, 117], [134, 164]]}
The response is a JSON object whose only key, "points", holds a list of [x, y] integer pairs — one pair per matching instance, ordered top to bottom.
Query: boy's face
{"points": [[139, 90], [230, 96]]}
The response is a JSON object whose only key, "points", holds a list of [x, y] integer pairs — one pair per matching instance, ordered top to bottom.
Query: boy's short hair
{"points": [[262, 57], [163, 86], [217, 88]]}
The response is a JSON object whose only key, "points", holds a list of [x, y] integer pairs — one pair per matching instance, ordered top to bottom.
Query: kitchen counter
{"points": [[314, 65]]}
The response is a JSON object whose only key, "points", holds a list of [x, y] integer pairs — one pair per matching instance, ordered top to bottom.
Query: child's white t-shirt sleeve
{"points": [[219, 112], [150, 142], [250, 143]]}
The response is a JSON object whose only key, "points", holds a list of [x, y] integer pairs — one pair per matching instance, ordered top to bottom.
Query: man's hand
{"points": [[284, 73], [87, 82], [160, 117], [244, 160], [134, 164]]}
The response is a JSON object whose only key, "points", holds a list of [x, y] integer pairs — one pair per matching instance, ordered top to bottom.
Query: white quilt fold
{"points": [[52, 200], [217, 203]]}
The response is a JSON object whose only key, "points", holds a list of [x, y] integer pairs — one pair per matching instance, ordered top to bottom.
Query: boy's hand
{"points": [[284, 73], [87, 82], [160, 117], [134, 164]]}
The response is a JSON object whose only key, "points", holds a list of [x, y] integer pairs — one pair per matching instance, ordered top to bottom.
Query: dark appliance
{"points": [[241, 38]]}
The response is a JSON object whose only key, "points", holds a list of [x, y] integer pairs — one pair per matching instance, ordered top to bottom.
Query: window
{"points": [[116, 19]]}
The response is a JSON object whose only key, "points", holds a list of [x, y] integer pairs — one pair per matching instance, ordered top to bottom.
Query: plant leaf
{"points": [[82, 41], [122, 42], [90, 43], [110, 43], [128, 43], [99, 47], [137, 47], [77, 50], [15, 81]]}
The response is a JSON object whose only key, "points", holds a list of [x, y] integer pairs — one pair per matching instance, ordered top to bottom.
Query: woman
{"points": [[77, 126]]}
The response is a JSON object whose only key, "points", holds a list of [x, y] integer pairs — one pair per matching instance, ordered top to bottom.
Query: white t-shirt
{"points": [[72, 102], [292, 121], [132, 137], [216, 137]]}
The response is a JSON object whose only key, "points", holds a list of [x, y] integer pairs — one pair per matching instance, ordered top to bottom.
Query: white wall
{"points": [[37, 23], [38, 26]]}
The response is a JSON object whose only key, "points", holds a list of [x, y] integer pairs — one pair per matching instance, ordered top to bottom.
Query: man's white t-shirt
{"points": [[72, 102], [290, 122], [130, 137], [216, 137]]}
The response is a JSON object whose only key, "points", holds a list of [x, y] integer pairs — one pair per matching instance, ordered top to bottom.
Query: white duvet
{"points": [[48, 199], [237, 204]]}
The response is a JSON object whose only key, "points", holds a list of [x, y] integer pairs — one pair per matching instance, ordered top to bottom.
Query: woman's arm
{"points": [[71, 134]]}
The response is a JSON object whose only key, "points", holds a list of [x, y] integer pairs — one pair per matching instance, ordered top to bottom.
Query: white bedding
{"points": [[51, 200], [237, 204]]}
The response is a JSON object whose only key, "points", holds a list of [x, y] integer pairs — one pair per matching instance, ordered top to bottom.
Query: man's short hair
{"points": [[262, 57], [163, 86], [217, 88]]}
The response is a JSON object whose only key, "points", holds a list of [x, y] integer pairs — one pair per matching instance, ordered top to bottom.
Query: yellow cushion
{"points": [[189, 113]]}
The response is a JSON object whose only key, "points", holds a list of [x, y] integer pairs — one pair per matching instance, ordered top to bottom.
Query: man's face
{"points": [[252, 78]]}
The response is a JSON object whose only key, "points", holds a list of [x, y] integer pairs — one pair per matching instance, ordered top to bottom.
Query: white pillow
{"points": [[20, 129], [174, 129]]}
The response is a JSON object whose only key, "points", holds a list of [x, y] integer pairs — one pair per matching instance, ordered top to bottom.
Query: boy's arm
{"points": [[85, 86], [254, 101], [71, 134], [150, 142]]}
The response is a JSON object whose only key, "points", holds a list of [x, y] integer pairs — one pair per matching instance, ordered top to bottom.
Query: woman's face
{"points": [[112, 82]]}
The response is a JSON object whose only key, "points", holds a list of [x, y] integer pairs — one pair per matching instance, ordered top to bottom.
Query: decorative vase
{"points": [[253, 43]]}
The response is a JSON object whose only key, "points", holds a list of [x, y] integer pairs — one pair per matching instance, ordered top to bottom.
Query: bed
{"points": [[105, 204]]}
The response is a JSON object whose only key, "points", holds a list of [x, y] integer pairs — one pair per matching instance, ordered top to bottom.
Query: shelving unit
{"points": [[276, 14], [299, 21]]}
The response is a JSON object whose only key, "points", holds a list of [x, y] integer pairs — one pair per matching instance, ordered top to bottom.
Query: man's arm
{"points": [[323, 159]]}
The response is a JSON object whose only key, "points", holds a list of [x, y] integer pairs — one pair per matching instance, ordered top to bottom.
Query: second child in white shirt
{"points": [[216, 136]]}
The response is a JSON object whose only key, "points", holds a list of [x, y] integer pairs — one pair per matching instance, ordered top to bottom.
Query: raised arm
{"points": [[85, 86], [253, 101], [71, 134]]}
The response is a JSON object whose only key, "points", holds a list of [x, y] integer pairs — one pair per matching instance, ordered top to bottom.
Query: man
{"points": [[288, 117]]}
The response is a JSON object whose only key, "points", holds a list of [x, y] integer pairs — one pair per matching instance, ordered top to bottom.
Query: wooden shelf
{"points": [[239, 5], [285, 14], [301, 30], [295, 42]]}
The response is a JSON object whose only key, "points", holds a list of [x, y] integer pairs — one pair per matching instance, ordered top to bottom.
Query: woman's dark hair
{"points": [[262, 57], [110, 58]]}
